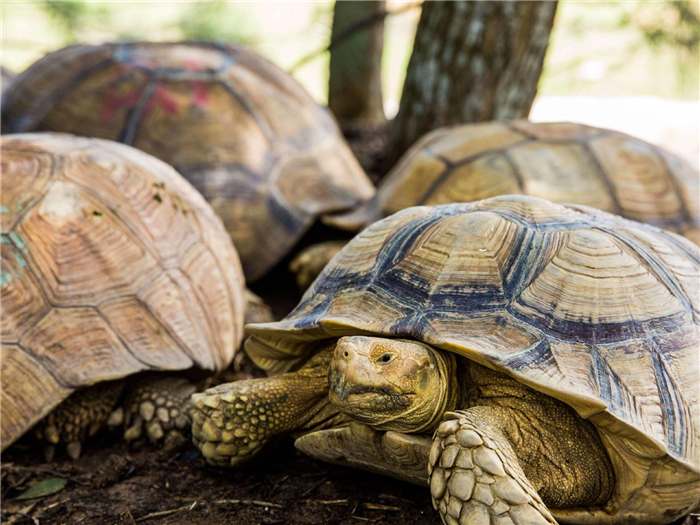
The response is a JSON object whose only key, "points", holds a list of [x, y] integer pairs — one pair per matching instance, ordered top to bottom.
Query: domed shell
{"points": [[242, 131], [561, 162], [111, 264], [594, 310]]}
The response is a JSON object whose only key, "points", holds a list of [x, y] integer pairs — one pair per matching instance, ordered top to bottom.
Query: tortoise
{"points": [[6, 78], [242, 131], [562, 162], [112, 265], [528, 361]]}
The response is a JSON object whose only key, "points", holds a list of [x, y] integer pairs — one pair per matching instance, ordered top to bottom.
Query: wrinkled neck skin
{"points": [[393, 384]]}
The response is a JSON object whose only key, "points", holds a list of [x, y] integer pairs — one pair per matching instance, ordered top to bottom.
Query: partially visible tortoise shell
{"points": [[6, 78], [242, 131], [561, 162], [111, 264], [594, 310]]}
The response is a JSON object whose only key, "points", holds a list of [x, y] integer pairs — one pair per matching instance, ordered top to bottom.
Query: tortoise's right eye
{"points": [[385, 358]]}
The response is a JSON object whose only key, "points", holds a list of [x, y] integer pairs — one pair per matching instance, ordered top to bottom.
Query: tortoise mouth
{"points": [[373, 400]]}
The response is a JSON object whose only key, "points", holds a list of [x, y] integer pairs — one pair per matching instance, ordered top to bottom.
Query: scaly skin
{"points": [[148, 406], [233, 421], [502, 453]]}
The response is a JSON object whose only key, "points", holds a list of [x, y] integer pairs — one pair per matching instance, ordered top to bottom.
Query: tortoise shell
{"points": [[242, 131], [561, 162], [111, 264], [594, 310]]}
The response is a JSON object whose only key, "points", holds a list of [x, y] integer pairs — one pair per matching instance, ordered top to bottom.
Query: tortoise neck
{"points": [[450, 394]]}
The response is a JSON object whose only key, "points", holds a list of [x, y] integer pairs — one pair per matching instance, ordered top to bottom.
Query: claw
{"points": [[146, 410], [116, 418], [154, 430], [134, 431], [51, 435], [74, 448], [49, 452]]}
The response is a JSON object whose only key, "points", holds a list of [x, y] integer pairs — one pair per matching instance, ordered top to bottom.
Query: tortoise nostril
{"points": [[346, 354]]}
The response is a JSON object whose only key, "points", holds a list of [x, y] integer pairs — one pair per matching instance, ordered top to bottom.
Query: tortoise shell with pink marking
{"points": [[242, 131], [559, 161], [112, 264], [597, 311]]}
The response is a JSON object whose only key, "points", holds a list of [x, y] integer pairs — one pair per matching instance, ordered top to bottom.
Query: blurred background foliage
{"points": [[597, 49]]}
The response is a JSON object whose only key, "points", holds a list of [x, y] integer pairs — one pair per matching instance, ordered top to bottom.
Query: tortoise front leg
{"points": [[233, 421], [475, 476]]}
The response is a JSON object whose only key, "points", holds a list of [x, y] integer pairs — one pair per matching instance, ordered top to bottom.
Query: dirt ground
{"points": [[111, 484]]}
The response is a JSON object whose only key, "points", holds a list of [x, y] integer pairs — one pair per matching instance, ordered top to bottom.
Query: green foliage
{"points": [[215, 21], [676, 25], [43, 489]]}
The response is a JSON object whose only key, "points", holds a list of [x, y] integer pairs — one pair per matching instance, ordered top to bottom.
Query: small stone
{"points": [[160, 401], [146, 410], [173, 412], [181, 421], [468, 438], [448, 456], [464, 460], [488, 460], [437, 483], [461, 484], [509, 490], [483, 494], [474, 513]]}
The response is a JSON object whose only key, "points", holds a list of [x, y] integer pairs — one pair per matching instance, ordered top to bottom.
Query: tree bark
{"points": [[471, 62], [355, 89]]}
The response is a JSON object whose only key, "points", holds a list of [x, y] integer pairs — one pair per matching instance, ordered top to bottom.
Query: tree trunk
{"points": [[471, 62], [355, 89]]}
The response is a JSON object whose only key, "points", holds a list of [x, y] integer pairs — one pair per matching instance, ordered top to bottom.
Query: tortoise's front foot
{"points": [[154, 408], [230, 422], [475, 477]]}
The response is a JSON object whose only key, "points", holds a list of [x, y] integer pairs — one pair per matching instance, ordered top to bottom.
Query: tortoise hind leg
{"points": [[155, 406], [80, 416]]}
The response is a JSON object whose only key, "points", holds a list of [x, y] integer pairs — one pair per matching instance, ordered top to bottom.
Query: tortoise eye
{"points": [[385, 358]]}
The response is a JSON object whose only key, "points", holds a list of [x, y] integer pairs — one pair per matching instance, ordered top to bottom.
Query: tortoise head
{"points": [[391, 384]]}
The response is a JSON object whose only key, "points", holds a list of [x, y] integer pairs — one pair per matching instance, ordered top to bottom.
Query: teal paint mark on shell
{"points": [[19, 207], [4, 209], [5, 239], [17, 240], [20, 260], [6, 278]]}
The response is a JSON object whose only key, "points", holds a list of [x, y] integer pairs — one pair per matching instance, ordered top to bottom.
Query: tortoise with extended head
{"points": [[242, 131], [562, 162], [112, 264], [551, 351]]}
